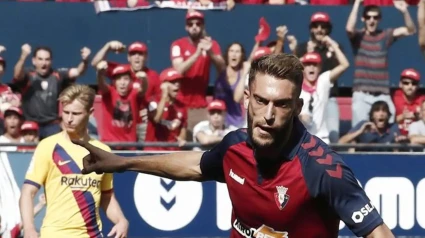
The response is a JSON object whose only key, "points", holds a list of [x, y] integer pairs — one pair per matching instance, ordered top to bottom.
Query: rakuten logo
{"points": [[77, 182], [358, 216]]}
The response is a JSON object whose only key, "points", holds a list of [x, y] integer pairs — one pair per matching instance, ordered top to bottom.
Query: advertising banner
{"points": [[158, 207]]}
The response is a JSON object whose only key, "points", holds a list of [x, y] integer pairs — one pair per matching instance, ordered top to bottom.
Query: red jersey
{"points": [[329, 2], [193, 87], [401, 103], [120, 115], [174, 119], [305, 195]]}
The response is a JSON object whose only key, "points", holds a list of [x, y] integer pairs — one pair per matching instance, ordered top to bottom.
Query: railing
{"points": [[189, 145]]}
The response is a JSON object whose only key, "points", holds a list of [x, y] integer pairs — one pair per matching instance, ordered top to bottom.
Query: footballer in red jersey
{"points": [[282, 181]]}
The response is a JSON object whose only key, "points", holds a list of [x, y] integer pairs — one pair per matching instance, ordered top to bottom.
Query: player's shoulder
{"points": [[180, 41], [236, 137], [49, 142], [100, 145], [317, 157]]}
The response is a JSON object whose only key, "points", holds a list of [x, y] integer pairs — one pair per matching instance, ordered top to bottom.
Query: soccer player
{"points": [[282, 181], [73, 199]]}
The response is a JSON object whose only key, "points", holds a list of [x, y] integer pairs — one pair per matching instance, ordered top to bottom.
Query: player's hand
{"points": [[401, 5], [206, 43], [2, 49], [26, 50], [85, 53], [102, 66], [368, 126], [100, 161], [42, 199], [120, 230], [30, 233]]}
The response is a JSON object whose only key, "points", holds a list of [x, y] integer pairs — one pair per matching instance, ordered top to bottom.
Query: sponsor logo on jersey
{"points": [[236, 177], [79, 182], [281, 197], [359, 215], [262, 232]]}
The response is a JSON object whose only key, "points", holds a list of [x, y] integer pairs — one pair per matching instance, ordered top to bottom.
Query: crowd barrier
{"points": [[157, 207]]}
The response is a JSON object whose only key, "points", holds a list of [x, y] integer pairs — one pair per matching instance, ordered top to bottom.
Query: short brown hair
{"points": [[282, 66], [83, 93]]}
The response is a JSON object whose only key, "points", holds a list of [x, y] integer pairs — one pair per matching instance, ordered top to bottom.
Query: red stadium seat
{"points": [[345, 113]]}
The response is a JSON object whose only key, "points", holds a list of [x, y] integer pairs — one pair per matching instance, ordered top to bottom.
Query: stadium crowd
{"points": [[140, 105]]}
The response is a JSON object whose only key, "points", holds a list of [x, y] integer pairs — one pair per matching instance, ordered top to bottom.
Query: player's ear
{"points": [[246, 98]]}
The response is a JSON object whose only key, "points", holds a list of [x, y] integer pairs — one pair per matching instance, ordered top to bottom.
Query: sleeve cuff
{"points": [[27, 181], [367, 229]]}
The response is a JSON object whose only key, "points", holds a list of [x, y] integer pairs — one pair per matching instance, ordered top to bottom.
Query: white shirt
{"points": [[320, 97], [205, 127], [417, 128], [4, 139]]}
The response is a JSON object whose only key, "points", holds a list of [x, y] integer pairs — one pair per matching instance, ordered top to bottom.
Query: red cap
{"points": [[194, 15], [320, 17], [137, 47], [261, 51], [311, 58], [121, 69], [170, 74], [411, 74], [217, 105], [15, 110], [29, 126]]}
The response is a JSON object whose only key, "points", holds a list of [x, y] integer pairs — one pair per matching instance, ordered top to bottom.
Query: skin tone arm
{"points": [[421, 24], [350, 27], [409, 28], [110, 46], [342, 60], [182, 65], [82, 67], [18, 73], [101, 78], [350, 137], [205, 139], [26, 206], [113, 211], [381, 231]]}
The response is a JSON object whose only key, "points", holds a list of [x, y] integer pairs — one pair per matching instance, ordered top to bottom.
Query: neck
{"points": [[234, 68], [309, 83], [82, 135], [13, 137]]}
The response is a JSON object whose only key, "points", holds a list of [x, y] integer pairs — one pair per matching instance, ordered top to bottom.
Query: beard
{"points": [[274, 146]]}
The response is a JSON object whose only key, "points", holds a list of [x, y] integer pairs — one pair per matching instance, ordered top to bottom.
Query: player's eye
{"points": [[260, 101]]}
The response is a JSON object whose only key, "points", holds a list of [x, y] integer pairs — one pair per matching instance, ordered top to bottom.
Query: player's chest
{"points": [[276, 201]]}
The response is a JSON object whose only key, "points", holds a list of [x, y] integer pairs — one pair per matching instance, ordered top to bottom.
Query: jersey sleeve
{"points": [[212, 160], [40, 165], [331, 180], [107, 183]]}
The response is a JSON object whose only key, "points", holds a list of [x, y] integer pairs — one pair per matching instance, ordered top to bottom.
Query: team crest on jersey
{"points": [[44, 85], [281, 197]]}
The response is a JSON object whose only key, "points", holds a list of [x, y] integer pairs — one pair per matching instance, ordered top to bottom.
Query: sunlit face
{"points": [[371, 21], [195, 27], [318, 30], [234, 56], [137, 60], [42, 62], [311, 71], [122, 84], [408, 86], [173, 88], [272, 104], [75, 117], [216, 118], [380, 118], [12, 123], [30, 135]]}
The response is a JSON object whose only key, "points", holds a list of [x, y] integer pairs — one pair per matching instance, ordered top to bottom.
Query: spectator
{"points": [[320, 27], [276, 46], [370, 46], [191, 56], [137, 58], [230, 84], [40, 86], [316, 87], [7, 97], [406, 100], [120, 103], [168, 115], [13, 118], [417, 128], [377, 129], [29, 132], [210, 132]]}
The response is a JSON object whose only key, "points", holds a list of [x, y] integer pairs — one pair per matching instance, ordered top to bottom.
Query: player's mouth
{"points": [[265, 130]]}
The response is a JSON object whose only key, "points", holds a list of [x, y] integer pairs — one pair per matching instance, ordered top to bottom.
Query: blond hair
{"points": [[83, 93]]}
